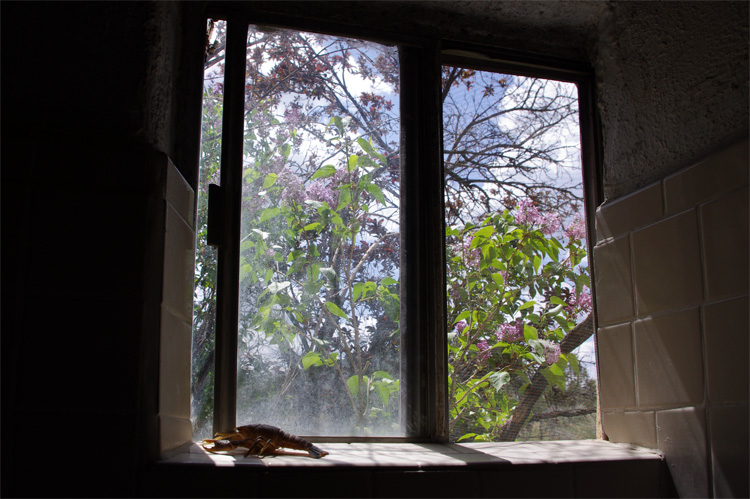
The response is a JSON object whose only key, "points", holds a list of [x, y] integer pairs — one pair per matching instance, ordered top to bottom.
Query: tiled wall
{"points": [[671, 264], [176, 310]]}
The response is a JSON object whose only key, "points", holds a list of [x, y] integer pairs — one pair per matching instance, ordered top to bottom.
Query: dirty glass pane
{"points": [[319, 263], [204, 299], [521, 363]]}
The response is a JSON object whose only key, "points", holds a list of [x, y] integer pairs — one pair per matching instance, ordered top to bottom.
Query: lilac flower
{"points": [[292, 115], [342, 177], [293, 187], [317, 191], [529, 214], [550, 224], [577, 229], [454, 292], [582, 301], [461, 325], [510, 333], [484, 350], [551, 351]]}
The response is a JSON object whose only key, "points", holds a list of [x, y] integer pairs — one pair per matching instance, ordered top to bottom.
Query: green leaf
{"points": [[367, 147], [352, 163], [324, 172], [269, 180], [377, 193], [314, 204], [269, 213], [312, 226], [484, 232], [263, 235], [537, 262], [329, 272], [388, 281], [277, 287], [357, 289], [555, 300], [526, 305], [335, 310], [462, 315], [529, 333], [311, 359], [331, 360], [572, 360], [556, 370], [382, 374], [499, 379], [553, 379], [353, 384], [384, 389], [467, 435]]}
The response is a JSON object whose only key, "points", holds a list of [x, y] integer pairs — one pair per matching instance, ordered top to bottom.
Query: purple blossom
{"points": [[292, 115], [342, 177], [294, 190], [317, 191], [529, 214], [550, 224], [577, 229], [454, 292], [581, 301], [461, 325], [510, 333], [484, 350], [551, 351]]}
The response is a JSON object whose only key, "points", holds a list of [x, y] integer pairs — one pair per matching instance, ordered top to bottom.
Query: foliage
{"points": [[318, 287], [514, 291]]}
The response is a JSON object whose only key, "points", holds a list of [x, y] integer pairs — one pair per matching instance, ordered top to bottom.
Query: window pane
{"points": [[319, 265], [517, 276], [204, 300]]}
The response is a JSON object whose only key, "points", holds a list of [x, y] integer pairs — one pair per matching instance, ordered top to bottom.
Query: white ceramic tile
{"points": [[179, 260], [667, 265], [669, 360], [174, 368]]}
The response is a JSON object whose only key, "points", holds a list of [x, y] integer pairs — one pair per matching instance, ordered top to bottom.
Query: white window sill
{"points": [[416, 456]]}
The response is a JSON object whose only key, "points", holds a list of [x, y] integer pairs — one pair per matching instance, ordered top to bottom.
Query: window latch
{"points": [[215, 225]]}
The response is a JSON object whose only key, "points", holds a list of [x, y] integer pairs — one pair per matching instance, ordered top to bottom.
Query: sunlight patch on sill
{"points": [[425, 456]]}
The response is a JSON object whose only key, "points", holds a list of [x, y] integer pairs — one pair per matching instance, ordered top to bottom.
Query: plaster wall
{"points": [[672, 79]]}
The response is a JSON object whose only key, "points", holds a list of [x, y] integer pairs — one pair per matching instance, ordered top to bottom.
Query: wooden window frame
{"points": [[424, 380]]}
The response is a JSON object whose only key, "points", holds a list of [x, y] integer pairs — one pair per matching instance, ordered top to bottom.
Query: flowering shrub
{"points": [[514, 292], [319, 304]]}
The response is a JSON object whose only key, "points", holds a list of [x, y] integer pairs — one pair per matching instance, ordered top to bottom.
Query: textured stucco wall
{"points": [[551, 27], [672, 84]]}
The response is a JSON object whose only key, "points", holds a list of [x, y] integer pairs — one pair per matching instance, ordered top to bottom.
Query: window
{"points": [[329, 230], [517, 268]]}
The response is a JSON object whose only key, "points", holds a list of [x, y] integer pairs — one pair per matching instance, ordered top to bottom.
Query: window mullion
{"points": [[424, 355], [225, 391]]}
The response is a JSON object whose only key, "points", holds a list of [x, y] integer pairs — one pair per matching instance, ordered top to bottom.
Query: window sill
{"points": [[425, 456], [587, 468]]}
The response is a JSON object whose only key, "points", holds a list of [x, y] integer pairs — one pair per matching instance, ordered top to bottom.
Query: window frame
{"points": [[424, 380]]}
